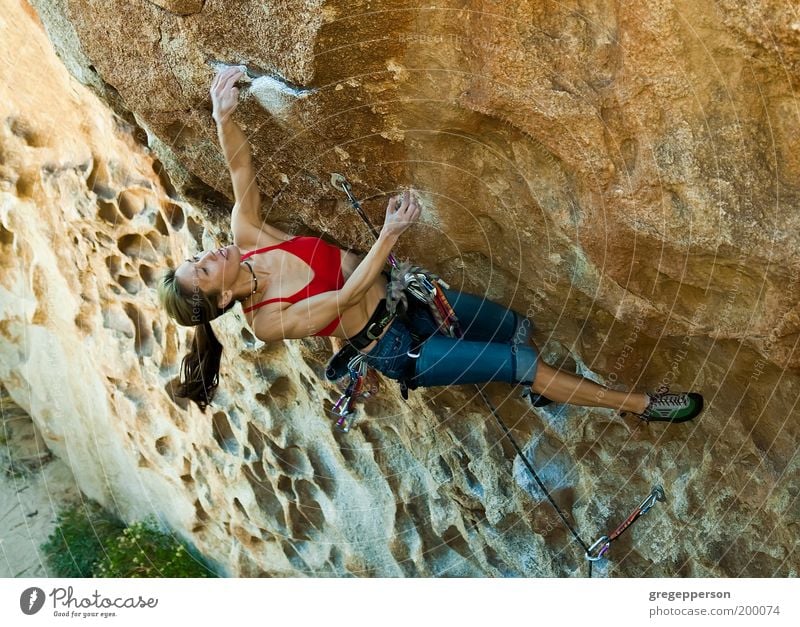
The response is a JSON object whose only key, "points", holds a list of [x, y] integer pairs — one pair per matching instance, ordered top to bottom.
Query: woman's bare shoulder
{"points": [[248, 236]]}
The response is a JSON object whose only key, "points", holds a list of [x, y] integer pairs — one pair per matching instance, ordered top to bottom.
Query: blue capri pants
{"points": [[494, 346]]}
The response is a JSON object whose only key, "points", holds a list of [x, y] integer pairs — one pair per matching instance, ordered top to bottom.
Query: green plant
{"points": [[78, 540], [89, 542], [143, 550]]}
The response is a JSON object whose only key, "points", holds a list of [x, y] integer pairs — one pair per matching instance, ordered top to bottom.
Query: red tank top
{"points": [[324, 259]]}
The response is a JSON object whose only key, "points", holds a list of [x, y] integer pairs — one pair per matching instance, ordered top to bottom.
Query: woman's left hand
{"points": [[224, 94]]}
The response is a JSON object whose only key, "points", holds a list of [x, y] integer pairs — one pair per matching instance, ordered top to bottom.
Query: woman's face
{"points": [[212, 271]]}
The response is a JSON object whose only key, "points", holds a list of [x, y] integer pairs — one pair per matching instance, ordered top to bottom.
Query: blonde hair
{"points": [[200, 366]]}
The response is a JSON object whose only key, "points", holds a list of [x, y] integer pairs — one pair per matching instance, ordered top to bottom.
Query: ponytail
{"points": [[200, 367]]}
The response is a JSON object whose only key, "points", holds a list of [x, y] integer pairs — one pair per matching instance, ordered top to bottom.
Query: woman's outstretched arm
{"points": [[236, 148]]}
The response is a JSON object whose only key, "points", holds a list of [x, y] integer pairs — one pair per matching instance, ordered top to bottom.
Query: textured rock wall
{"points": [[624, 172]]}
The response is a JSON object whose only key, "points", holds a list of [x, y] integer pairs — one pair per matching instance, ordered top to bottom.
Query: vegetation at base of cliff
{"points": [[90, 542]]}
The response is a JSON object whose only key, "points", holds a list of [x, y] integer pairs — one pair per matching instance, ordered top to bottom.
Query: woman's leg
{"points": [[483, 320], [495, 348], [450, 361], [565, 387]]}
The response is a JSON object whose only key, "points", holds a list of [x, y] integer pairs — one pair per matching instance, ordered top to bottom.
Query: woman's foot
{"points": [[666, 407]]}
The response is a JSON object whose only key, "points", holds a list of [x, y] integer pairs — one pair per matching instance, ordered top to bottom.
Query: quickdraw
{"points": [[339, 182], [426, 288], [344, 409], [603, 544]]}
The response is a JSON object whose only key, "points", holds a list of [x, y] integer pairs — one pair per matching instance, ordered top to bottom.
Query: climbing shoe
{"points": [[537, 400], [666, 407]]}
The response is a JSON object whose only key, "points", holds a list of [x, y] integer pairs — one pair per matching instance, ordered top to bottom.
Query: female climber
{"points": [[294, 287]]}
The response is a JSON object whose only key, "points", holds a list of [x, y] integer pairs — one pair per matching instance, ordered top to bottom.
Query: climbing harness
{"points": [[425, 287], [350, 361], [601, 546]]}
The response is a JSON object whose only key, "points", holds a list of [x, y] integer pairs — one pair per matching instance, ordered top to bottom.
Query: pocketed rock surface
{"points": [[625, 173]]}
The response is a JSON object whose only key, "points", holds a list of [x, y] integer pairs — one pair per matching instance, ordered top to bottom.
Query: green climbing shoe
{"points": [[666, 407]]}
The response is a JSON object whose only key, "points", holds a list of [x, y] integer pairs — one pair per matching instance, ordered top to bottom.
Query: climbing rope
{"points": [[428, 286], [531, 470]]}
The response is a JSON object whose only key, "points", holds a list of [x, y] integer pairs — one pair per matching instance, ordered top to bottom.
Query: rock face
{"points": [[626, 173]]}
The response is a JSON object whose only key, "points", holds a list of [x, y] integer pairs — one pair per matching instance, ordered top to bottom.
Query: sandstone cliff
{"points": [[627, 173]]}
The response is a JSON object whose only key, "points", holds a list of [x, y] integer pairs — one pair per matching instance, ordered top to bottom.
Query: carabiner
{"points": [[426, 283], [656, 494], [596, 558]]}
